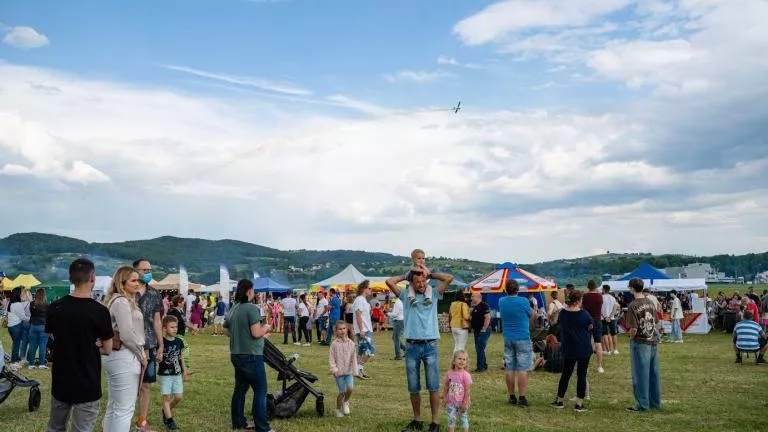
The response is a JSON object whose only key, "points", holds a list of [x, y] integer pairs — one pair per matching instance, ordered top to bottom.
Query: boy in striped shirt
{"points": [[749, 336]]}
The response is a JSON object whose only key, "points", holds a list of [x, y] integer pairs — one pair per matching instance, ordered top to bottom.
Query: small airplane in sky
{"points": [[457, 108]]}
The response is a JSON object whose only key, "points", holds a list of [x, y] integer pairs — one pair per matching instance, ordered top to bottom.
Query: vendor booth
{"points": [[347, 281], [267, 285], [492, 286], [695, 321]]}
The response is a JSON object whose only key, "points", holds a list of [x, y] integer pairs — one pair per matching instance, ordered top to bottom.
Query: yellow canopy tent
{"points": [[26, 281], [7, 284]]}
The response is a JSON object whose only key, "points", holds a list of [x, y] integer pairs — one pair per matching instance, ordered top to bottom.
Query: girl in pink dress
{"points": [[196, 316], [457, 392]]}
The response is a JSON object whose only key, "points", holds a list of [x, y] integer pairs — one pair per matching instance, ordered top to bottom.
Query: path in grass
{"points": [[701, 388]]}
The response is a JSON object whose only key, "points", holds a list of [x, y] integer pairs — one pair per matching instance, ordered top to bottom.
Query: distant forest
{"points": [[48, 256]]}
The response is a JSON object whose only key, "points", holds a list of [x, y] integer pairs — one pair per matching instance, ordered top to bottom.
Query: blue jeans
{"points": [[289, 322], [331, 323], [322, 325], [677, 331], [397, 334], [20, 339], [38, 340], [481, 341], [415, 355], [249, 373], [646, 381]]}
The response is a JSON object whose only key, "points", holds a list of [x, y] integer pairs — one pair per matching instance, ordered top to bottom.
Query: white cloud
{"points": [[498, 20], [25, 37], [450, 61], [417, 76], [260, 83], [458, 185]]}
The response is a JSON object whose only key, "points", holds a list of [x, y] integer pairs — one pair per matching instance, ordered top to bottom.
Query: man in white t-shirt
{"points": [[189, 300], [609, 312], [321, 317], [289, 318], [361, 323]]}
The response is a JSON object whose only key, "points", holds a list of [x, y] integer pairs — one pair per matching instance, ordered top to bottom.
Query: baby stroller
{"points": [[10, 379], [286, 402]]}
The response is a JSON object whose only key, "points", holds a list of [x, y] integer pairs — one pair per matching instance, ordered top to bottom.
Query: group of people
{"points": [[24, 316], [129, 335]]}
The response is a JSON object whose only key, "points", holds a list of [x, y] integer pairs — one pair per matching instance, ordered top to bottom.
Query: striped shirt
{"points": [[747, 334]]}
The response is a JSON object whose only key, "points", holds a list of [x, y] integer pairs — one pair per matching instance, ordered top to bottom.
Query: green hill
{"points": [[48, 256]]}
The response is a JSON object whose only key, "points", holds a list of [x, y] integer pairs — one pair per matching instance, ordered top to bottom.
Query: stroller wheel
{"points": [[34, 399], [320, 406], [270, 407]]}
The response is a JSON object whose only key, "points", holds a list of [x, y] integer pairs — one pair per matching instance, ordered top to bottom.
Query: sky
{"points": [[585, 126]]}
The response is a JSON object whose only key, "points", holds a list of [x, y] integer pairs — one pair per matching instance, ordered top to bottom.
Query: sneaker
{"points": [[297, 343], [307, 344], [615, 352], [607, 353], [760, 360], [32, 367], [42, 367], [600, 369], [512, 400], [523, 403], [557, 404], [580, 408], [345, 409], [634, 409], [338, 413], [170, 424], [413, 426], [434, 427]]}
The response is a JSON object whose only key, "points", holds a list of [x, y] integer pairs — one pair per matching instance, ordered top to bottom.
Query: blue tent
{"points": [[646, 271], [267, 285]]}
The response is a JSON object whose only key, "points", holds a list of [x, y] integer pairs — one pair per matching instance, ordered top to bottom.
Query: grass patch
{"points": [[701, 388]]}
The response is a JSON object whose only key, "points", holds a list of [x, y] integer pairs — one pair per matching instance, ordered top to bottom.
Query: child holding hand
{"points": [[342, 359], [457, 392]]}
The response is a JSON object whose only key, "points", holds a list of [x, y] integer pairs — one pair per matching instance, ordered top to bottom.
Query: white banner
{"points": [[183, 281], [224, 283]]}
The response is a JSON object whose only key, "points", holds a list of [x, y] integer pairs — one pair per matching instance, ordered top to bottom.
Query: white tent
{"points": [[349, 276], [694, 321]]}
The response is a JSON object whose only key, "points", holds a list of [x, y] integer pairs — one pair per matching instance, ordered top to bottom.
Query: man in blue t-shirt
{"points": [[334, 314], [516, 316], [218, 320], [422, 335], [748, 336]]}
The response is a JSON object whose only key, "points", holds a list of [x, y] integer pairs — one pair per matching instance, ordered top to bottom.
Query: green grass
{"points": [[701, 388]]}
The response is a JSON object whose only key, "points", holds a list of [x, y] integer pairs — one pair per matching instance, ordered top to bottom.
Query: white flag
{"points": [[255, 275], [183, 281], [224, 283]]}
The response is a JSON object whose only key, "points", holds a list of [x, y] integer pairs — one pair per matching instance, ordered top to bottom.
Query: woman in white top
{"points": [[303, 311], [553, 312], [18, 325], [125, 364]]}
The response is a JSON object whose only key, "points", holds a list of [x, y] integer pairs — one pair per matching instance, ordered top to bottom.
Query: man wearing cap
{"points": [[421, 335]]}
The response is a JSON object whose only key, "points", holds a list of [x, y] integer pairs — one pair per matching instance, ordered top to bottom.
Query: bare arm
{"points": [[445, 280], [392, 284], [487, 321], [157, 323], [259, 331], [105, 348]]}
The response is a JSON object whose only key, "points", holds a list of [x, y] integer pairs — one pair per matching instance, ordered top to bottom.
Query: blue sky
{"points": [[590, 125]]}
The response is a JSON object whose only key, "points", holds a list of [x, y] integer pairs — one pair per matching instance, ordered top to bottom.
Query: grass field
{"points": [[702, 389]]}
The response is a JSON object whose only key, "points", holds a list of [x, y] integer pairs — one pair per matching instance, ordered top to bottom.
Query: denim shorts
{"points": [[597, 330], [365, 345], [415, 355], [518, 355], [150, 374], [345, 382], [170, 384], [454, 413]]}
